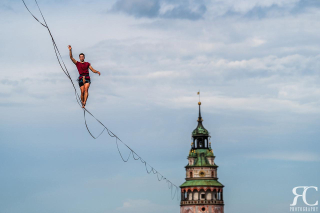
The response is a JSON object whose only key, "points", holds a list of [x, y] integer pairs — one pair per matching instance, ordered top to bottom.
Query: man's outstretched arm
{"points": [[71, 57], [93, 70]]}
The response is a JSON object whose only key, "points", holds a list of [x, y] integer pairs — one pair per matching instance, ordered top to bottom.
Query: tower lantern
{"points": [[200, 135], [201, 192]]}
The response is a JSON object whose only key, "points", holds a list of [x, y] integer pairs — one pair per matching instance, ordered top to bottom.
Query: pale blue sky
{"points": [[256, 63]]}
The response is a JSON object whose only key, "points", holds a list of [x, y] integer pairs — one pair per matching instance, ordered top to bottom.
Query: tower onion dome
{"points": [[200, 130]]}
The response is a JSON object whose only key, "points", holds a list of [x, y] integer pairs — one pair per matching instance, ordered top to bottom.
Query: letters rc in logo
{"points": [[303, 195]]}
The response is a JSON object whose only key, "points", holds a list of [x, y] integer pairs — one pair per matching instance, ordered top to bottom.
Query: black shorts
{"points": [[81, 81]]}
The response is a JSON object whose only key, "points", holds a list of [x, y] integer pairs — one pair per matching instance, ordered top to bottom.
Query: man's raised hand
{"points": [[70, 54]]}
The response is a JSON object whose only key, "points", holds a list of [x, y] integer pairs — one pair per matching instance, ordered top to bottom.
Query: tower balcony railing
{"points": [[187, 202]]}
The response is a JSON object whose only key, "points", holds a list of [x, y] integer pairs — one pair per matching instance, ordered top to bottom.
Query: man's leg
{"points": [[86, 92], [82, 95]]}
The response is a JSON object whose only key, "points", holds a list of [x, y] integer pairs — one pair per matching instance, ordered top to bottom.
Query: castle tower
{"points": [[202, 192]]}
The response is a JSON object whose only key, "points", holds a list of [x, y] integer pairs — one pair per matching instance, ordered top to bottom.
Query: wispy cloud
{"points": [[138, 8], [258, 9], [192, 10]]}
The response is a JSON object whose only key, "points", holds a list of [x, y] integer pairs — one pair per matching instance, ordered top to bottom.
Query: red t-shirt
{"points": [[83, 68]]}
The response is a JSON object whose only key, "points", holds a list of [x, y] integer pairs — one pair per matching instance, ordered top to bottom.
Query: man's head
{"points": [[81, 57]]}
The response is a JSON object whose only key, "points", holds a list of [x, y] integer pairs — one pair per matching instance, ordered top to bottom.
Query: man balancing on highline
{"points": [[84, 78]]}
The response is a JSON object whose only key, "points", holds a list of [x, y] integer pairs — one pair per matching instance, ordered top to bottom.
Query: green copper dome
{"points": [[200, 130], [197, 152], [200, 156], [201, 183]]}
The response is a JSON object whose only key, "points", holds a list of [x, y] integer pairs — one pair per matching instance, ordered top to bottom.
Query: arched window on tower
{"points": [[212, 174], [191, 175]]}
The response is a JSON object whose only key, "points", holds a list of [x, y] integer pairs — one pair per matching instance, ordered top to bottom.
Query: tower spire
{"points": [[199, 103], [200, 118], [200, 135]]}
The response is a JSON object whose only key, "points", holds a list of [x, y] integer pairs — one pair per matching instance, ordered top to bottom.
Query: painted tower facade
{"points": [[202, 192]]}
